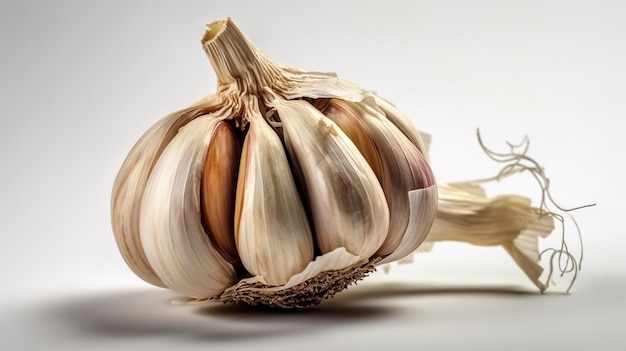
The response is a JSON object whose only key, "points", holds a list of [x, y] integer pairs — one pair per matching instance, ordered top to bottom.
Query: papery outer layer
{"points": [[422, 215], [337, 259]]}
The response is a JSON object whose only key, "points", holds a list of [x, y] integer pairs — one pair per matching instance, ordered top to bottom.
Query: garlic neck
{"points": [[237, 62]]}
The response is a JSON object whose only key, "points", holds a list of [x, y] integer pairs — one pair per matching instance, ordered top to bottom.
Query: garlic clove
{"points": [[404, 124], [355, 128], [400, 166], [219, 182], [130, 183], [347, 204], [272, 231], [172, 235]]}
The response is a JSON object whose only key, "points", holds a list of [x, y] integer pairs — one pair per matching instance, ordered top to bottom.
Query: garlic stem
{"points": [[236, 61]]}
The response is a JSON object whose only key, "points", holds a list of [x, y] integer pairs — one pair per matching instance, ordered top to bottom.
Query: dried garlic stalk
{"points": [[282, 188], [466, 214]]}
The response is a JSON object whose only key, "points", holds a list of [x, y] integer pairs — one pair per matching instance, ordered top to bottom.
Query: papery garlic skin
{"points": [[467, 215], [421, 218]]}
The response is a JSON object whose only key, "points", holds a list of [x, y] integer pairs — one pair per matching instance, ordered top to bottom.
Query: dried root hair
{"points": [[560, 258], [303, 296]]}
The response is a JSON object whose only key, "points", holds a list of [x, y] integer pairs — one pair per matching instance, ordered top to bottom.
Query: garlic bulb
{"points": [[286, 186], [282, 188]]}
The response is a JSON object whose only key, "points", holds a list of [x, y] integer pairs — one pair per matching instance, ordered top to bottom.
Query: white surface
{"points": [[81, 81]]}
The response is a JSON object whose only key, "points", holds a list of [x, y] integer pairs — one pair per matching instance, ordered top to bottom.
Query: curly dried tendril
{"points": [[517, 161]]}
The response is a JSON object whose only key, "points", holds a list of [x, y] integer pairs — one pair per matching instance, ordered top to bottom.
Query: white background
{"points": [[82, 80]]}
